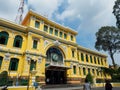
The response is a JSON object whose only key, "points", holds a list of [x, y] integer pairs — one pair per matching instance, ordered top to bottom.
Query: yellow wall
{"points": [[45, 41]]}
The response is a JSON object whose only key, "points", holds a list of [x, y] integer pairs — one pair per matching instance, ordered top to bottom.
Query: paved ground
{"points": [[78, 88]]}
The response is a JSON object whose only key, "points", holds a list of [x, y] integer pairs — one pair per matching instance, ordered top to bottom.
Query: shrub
{"points": [[3, 78], [89, 78]]}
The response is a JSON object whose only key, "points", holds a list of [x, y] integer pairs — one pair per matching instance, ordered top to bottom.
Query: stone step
{"points": [[61, 86]]}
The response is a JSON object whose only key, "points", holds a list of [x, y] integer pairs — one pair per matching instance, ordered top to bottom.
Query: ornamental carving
{"points": [[46, 42], [57, 43], [7, 56], [28, 58], [39, 59]]}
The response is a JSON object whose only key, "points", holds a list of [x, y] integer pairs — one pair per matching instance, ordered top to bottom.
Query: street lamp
{"points": [[32, 73]]}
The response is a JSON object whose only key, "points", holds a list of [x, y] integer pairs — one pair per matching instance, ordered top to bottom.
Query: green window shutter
{"points": [[37, 24], [45, 28], [51, 31], [56, 32], [61, 34], [65, 36], [4, 38], [71, 38], [18, 41], [14, 42], [35, 44], [73, 53], [82, 57], [86, 57], [1, 59], [91, 59], [95, 60], [98, 61], [101, 61], [10, 64], [13, 64], [32, 65], [16, 66], [74, 69], [88, 70], [79, 71], [84, 71]]}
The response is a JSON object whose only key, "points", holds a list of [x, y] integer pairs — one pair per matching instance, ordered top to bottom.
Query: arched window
{"points": [[4, 37], [18, 41], [54, 54], [82, 57], [1, 59], [13, 64], [74, 69], [84, 71]]}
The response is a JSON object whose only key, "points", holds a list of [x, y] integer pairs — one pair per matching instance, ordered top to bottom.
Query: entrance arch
{"points": [[55, 71]]}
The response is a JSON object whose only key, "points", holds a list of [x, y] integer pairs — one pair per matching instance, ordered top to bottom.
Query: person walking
{"points": [[86, 85], [108, 85]]}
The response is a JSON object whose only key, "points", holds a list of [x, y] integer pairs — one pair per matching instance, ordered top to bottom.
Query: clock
{"points": [[55, 57]]}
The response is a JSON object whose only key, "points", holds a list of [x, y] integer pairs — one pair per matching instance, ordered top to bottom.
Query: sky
{"points": [[84, 16]]}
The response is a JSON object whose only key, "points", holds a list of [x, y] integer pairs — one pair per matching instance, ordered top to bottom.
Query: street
{"points": [[79, 88]]}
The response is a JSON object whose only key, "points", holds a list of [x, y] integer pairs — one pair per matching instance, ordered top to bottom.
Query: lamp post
{"points": [[29, 61], [31, 74], [17, 81]]}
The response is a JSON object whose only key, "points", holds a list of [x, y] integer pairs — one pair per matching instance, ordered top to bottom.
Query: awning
{"points": [[57, 67]]}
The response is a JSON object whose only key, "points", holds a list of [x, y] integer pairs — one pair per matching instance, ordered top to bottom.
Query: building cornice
{"points": [[45, 19], [12, 25], [46, 35], [90, 51], [84, 64]]}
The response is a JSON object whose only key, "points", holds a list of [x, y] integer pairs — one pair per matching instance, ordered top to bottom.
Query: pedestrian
{"points": [[35, 84], [108, 85], [86, 86]]}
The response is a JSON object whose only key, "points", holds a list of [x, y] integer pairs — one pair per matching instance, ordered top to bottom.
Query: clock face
{"points": [[55, 57]]}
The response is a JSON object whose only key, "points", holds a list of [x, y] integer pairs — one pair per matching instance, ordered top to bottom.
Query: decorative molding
{"points": [[46, 42], [57, 43], [65, 48], [7, 56], [28, 57], [39, 59]]}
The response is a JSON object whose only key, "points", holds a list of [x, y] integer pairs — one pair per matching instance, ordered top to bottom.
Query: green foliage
{"points": [[116, 12], [108, 39], [109, 71], [115, 73], [3, 78], [89, 78], [23, 82]]}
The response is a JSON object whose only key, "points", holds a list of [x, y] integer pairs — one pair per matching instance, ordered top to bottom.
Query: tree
{"points": [[116, 12], [108, 39], [3, 78], [89, 78]]}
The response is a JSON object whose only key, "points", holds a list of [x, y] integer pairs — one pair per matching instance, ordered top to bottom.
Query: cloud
{"points": [[45, 7], [8, 10], [91, 15], [84, 16]]}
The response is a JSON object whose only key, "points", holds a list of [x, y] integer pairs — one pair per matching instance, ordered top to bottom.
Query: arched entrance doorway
{"points": [[55, 70]]}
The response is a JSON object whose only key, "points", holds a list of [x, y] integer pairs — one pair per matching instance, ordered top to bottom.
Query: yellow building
{"points": [[50, 49]]}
